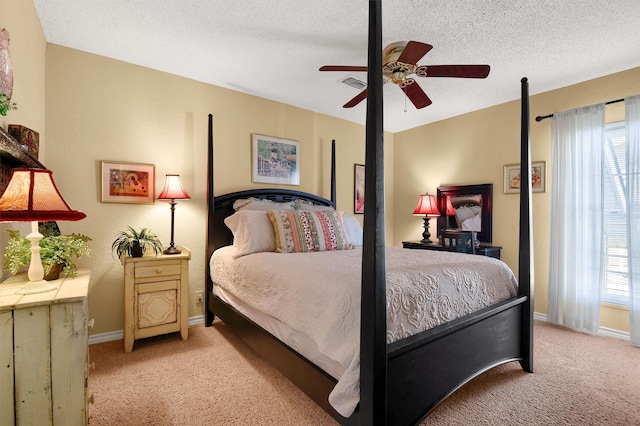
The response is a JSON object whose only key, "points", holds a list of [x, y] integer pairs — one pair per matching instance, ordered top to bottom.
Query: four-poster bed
{"points": [[400, 382]]}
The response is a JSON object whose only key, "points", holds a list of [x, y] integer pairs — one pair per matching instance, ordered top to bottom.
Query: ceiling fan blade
{"points": [[413, 52], [343, 68], [461, 71], [415, 93], [355, 101]]}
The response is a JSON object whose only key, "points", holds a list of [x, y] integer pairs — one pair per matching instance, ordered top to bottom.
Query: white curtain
{"points": [[632, 117], [576, 267]]}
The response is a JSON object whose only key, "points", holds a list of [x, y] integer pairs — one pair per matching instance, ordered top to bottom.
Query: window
{"points": [[616, 283]]}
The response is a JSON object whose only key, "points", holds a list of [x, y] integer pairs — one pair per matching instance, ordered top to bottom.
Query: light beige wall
{"points": [[27, 49], [102, 109], [473, 148]]}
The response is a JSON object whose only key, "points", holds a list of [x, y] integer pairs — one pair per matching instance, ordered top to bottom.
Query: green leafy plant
{"points": [[6, 104], [127, 242], [54, 250]]}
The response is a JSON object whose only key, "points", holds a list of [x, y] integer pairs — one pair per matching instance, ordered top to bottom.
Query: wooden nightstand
{"points": [[483, 250], [156, 296], [43, 353]]}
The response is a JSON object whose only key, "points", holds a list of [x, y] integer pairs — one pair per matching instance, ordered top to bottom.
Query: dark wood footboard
{"points": [[426, 368]]}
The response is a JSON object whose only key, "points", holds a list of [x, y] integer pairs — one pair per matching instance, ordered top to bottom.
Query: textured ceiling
{"points": [[273, 49]]}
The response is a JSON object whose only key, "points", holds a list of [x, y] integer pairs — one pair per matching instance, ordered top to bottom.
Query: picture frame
{"points": [[275, 160], [538, 177], [129, 183], [358, 190]]}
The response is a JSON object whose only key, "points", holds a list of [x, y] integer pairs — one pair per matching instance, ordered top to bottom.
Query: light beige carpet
{"points": [[215, 379]]}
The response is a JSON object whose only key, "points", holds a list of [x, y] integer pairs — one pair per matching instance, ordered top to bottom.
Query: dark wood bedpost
{"points": [[333, 173], [210, 209], [525, 257], [373, 327]]}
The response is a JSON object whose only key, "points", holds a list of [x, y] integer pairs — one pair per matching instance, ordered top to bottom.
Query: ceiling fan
{"points": [[400, 61]]}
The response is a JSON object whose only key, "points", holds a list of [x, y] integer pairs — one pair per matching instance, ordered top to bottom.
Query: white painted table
{"points": [[43, 353]]}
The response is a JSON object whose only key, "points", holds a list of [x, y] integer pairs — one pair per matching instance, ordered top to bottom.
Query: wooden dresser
{"points": [[156, 296], [43, 353]]}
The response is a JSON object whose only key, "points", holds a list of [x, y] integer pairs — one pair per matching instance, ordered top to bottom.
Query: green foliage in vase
{"points": [[6, 104], [126, 240], [54, 250]]}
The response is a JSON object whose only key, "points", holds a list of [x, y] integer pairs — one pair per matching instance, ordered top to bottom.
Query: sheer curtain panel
{"points": [[632, 118], [576, 263]]}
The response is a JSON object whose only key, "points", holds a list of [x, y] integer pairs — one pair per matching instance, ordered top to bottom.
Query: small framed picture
{"points": [[276, 160], [512, 177], [128, 182], [358, 194]]}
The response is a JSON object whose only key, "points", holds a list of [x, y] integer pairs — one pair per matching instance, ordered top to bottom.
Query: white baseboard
{"points": [[602, 331], [119, 334]]}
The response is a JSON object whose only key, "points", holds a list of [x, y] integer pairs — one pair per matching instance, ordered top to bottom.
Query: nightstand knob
{"points": [[159, 271], [90, 323], [92, 365], [91, 399]]}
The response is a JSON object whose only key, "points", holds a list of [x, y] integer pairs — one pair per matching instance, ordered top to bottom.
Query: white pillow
{"points": [[262, 205], [353, 229], [252, 232]]}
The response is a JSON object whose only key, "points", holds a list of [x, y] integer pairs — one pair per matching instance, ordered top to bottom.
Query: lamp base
{"points": [[426, 235], [172, 250], [34, 287]]}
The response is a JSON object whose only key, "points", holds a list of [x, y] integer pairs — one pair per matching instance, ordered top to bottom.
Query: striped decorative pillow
{"points": [[304, 231]]}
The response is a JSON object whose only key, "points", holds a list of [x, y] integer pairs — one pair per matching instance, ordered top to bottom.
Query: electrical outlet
{"points": [[199, 297]]}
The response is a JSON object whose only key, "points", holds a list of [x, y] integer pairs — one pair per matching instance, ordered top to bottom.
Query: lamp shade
{"points": [[173, 189], [32, 195], [427, 206]]}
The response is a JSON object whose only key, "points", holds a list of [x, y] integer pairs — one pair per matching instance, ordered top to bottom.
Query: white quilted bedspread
{"points": [[318, 294]]}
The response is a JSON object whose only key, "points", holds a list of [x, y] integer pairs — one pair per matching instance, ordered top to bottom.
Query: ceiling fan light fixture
{"points": [[393, 51], [400, 62]]}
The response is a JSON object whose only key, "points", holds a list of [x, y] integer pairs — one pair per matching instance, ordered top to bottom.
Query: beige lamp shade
{"points": [[173, 189]]}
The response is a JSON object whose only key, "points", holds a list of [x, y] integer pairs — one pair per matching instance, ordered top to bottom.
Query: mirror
{"points": [[466, 207]]}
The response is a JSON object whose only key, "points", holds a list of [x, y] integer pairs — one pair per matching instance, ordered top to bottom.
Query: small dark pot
{"points": [[136, 250], [54, 272]]}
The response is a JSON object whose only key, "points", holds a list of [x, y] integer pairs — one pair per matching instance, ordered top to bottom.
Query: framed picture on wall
{"points": [[276, 160], [512, 177], [128, 182], [358, 194]]}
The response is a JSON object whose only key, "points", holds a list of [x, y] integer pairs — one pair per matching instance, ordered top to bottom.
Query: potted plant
{"points": [[6, 105], [135, 243], [57, 252]]}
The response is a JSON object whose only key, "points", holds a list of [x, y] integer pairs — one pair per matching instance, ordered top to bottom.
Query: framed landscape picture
{"points": [[276, 160], [512, 177], [128, 182]]}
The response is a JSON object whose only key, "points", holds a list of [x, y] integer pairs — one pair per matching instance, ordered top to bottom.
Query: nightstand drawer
{"points": [[157, 269]]}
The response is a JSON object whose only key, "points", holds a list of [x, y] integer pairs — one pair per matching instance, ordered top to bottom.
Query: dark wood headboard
{"points": [[223, 207]]}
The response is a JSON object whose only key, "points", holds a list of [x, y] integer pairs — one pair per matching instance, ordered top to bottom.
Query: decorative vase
{"points": [[6, 71], [136, 250], [54, 272]]}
